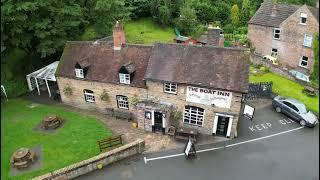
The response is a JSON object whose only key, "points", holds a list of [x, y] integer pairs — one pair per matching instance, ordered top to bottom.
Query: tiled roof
{"points": [[263, 15], [104, 61], [220, 68]]}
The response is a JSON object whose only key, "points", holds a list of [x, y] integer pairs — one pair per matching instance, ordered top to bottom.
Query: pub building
{"points": [[154, 83]]}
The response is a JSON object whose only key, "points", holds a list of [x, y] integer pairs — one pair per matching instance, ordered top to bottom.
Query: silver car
{"points": [[296, 110]]}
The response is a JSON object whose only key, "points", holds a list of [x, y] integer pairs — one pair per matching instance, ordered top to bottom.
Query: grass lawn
{"points": [[145, 31], [286, 87], [75, 141]]}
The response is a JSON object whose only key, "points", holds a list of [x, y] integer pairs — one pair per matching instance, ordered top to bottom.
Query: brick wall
{"points": [[290, 46], [91, 164]]}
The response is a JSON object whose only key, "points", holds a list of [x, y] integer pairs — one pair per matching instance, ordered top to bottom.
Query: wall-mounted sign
{"points": [[209, 97], [147, 115]]}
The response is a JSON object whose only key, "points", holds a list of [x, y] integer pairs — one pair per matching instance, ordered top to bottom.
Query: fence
{"points": [[259, 90]]}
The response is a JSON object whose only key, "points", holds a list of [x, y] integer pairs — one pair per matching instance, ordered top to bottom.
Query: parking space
{"points": [[266, 121]]}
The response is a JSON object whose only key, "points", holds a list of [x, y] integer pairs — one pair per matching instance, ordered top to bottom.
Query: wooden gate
{"points": [[259, 90]]}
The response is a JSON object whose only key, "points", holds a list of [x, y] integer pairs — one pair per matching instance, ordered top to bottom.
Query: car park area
{"points": [[266, 121]]}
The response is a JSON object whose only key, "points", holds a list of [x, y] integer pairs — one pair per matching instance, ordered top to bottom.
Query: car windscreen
{"points": [[302, 108]]}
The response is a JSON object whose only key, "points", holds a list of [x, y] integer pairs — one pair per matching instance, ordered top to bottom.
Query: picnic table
{"points": [[309, 90], [184, 133]]}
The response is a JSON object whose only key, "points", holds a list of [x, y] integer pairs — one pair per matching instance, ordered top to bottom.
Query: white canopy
{"points": [[45, 73]]}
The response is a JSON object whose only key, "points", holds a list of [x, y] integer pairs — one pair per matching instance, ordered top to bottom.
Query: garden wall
{"points": [[258, 59], [92, 164]]}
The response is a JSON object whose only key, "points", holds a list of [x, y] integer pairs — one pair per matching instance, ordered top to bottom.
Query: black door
{"points": [[157, 121], [222, 126]]}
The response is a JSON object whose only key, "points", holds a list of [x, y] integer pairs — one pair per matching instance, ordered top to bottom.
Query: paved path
{"points": [[271, 147]]}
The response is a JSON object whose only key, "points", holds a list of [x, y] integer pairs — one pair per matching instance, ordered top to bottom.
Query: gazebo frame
{"points": [[46, 73]]}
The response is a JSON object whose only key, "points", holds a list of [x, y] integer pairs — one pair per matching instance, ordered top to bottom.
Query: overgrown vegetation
{"points": [[315, 73], [286, 87], [76, 140]]}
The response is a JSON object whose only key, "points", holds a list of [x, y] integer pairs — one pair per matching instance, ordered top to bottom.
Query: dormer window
{"points": [[303, 18], [81, 68], [79, 73], [126, 73], [124, 78]]}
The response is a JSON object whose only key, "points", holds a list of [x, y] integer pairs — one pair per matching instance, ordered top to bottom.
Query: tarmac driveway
{"points": [[266, 121]]}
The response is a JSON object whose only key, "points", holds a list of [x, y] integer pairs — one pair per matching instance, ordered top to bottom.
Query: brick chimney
{"points": [[274, 10], [214, 36], [119, 37]]}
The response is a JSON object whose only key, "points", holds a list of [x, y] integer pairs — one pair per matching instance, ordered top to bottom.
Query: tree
{"points": [[161, 11], [107, 12], [205, 12], [245, 12], [235, 15], [187, 22], [41, 26], [315, 72]]}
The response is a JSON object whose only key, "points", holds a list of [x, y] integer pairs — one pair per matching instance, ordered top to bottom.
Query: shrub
{"points": [[264, 69], [67, 90], [104, 96], [134, 101], [175, 118]]}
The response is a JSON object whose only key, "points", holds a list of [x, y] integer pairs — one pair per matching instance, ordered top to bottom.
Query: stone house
{"points": [[285, 32], [152, 82]]}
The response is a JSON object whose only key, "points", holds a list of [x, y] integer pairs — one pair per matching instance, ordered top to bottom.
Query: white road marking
{"points": [[220, 147]]}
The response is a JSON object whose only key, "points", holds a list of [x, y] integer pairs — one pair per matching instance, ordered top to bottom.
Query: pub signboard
{"points": [[206, 96]]}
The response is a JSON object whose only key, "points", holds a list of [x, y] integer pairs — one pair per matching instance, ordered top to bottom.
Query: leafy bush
{"points": [[228, 28], [264, 69], [67, 90], [104, 96], [175, 118]]}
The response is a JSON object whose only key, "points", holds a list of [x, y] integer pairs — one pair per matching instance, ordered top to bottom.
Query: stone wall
{"points": [[290, 45], [258, 59], [154, 92], [77, 97], [179, 102], [92, 164]]}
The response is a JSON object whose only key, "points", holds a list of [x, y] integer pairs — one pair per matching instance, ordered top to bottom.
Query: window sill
{"points": [[304, 24], [276, 39], [306, 46], [305, 67], [174, 93], [90, 101], [123, 108], [192, 124]]}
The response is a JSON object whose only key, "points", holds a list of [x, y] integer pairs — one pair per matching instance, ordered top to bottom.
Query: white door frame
{"points": [[215, 123]]}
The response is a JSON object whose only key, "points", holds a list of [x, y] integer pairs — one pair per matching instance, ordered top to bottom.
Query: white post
{"points": [[29, 83], [37, 85], [48, 87], [4, 91]]}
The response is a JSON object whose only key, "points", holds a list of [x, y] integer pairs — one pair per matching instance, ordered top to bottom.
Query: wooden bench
{"points": [[309, 91], [184, 134], [109, 143]]}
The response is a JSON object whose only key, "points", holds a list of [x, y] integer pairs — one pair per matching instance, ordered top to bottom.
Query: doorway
{"points": [[158, 122], [222, 126]]}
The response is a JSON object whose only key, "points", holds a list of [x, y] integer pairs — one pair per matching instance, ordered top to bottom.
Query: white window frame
{"points": [[303, 15], [274, 33], [306, 38], [272, 52], [302, 60], [79, 73], [124, 78], [171, 88], [89, 97], [123, 102], [193, 112]]}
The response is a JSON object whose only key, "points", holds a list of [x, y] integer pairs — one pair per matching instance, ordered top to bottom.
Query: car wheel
{"points": [[278, 109], [302, 122]]}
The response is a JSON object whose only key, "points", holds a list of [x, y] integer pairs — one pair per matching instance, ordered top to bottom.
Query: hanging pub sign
{"points": [[209, 97]]}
